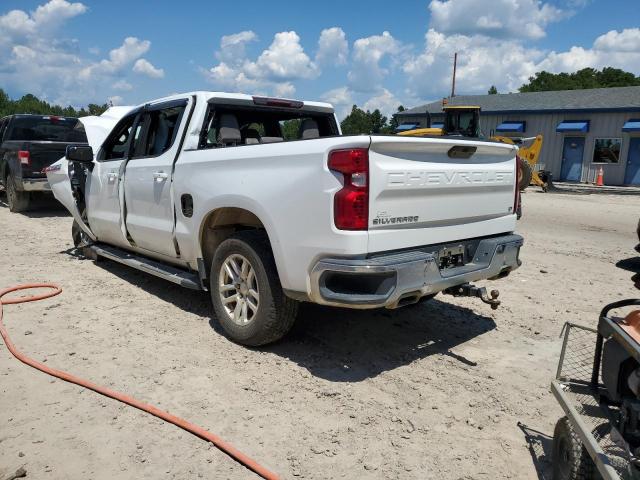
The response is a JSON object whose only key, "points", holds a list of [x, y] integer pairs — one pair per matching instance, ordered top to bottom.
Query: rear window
{"points": [[256, 125], [55, 129]]}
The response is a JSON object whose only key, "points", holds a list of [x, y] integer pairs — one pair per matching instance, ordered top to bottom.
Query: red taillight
{"points": [[23, 156], [516, 199], [351, 203]]}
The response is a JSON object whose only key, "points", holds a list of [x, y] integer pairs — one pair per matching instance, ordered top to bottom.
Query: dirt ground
{"points": [[446, 390]]}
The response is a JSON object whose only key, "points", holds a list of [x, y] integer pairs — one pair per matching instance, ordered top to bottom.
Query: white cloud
{"points": [[55, 12], [498, 18], [17, 25], [628, 40], [233, 47], [333, 48], [131, 49], [619, 49], [36, 57], [285, 59], [482, 62], [508, 64], [144, 67], [367, 71], [271, 73], [122, 85], [285, 89], [341, 98], [115, 100], [385, 101]]}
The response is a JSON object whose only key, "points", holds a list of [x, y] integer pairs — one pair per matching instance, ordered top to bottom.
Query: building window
{"points": [[607, 150]]}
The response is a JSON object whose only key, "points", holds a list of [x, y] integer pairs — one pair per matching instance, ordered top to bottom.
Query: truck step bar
{"points": [[173, 274]]}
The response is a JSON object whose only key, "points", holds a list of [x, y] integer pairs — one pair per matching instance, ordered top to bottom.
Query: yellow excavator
{"points": [[464, 120]]}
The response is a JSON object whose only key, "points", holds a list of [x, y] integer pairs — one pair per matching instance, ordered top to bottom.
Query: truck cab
{"points": [[29, 144]]}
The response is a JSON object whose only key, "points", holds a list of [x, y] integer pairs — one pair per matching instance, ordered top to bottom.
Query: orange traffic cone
{"points": [[600, 177]]}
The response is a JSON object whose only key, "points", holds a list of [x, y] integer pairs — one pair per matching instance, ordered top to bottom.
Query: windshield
{"points": [[462, 123], [51, 128]]}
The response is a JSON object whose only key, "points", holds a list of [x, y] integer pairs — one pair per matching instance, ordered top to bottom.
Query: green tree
{"points": [[585, 78], [493, 90], [31, 104], [360, 121], [378, 121], [356, 122], [393, 123], [291, 129]]}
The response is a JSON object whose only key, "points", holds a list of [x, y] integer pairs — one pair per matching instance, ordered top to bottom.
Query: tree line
{"points": [[582, 79], [31, 104], [364, 121]]}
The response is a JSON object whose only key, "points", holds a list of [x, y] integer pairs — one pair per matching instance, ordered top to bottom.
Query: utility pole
{"points": [[453, 82]]}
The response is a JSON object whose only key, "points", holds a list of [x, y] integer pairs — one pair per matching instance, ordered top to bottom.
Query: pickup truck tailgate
{"points": [[43, 154], [433, 190]]}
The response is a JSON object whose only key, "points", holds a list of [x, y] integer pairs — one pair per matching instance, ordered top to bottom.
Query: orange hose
{"points": [[67, 377]]}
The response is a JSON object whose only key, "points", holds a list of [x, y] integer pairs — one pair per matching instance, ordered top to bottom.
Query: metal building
{"points": [[583, 129]]}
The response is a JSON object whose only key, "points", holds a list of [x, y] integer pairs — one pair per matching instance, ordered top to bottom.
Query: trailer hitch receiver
{"points": [[468, 290]]}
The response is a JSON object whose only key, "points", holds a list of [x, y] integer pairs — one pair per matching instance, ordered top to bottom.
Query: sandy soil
{"points": [[446, 390]]}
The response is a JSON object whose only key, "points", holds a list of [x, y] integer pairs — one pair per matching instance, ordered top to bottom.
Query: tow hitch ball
{"points": [[468, 290]]}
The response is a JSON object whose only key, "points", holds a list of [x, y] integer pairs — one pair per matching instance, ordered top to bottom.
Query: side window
{"points": [[161, 129], [209, 134], [117, 145]]}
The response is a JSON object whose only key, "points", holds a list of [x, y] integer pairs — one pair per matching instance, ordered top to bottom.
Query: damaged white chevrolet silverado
{"points": [[263, 202]]}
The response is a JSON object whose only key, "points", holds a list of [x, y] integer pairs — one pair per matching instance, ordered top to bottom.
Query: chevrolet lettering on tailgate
{"points": [[459, 177]]}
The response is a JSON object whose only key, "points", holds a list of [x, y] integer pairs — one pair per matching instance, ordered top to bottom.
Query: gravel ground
{"points": [[445, 390]]}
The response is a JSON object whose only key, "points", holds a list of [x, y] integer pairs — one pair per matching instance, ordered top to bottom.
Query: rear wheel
{"points": [[526, 173], [17, 200], [247, 297], [571, 461]]}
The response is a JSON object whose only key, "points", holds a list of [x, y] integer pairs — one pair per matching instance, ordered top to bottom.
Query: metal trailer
{"points": [[583, 397]]}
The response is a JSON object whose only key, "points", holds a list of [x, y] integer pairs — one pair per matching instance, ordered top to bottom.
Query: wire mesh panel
{"points": [[578, 350], [575, 369], [598, 421]]}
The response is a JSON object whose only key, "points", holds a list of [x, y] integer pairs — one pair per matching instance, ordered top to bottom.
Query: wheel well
{"points": [[220, 225]]}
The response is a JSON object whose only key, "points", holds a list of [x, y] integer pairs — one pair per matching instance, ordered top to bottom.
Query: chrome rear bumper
{"points": [[35, 185], [396, 279]]}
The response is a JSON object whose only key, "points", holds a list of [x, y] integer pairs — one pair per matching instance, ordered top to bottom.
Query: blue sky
{"points": [[376, 54]]}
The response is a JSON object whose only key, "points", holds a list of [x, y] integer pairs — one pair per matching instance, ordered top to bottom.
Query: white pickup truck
{"points": [[263, 202]]}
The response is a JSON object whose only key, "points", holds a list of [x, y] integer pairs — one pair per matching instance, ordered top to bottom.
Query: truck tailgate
{"points": [[43, 154], [432, 190]]}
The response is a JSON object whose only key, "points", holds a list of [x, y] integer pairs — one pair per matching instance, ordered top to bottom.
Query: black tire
{"points": [[526, 174], [17, 200], [80, 239], [275, 314], [571, 461]]}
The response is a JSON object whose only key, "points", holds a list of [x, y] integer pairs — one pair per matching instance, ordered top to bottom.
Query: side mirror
{"points": [[80, 153]]}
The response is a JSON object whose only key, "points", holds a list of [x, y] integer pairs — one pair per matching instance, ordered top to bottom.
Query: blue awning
{"points": [[437, 125], [632, 125], [406, 126], [573, 126], [511, 127]]}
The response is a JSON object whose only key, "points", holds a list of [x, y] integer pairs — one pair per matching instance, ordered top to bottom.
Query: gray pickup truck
{"points": [[29, 144]]}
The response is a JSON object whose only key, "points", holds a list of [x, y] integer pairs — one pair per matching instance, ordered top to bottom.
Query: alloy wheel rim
{"points": [[238, 289]]}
